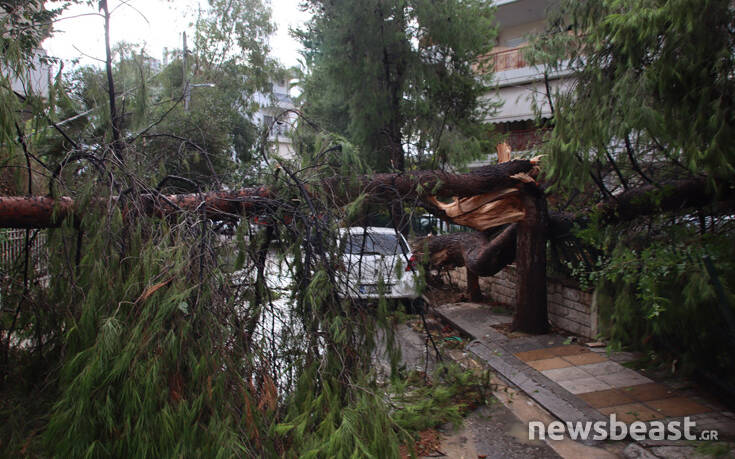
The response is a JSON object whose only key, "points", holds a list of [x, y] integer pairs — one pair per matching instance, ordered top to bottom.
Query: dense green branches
{"points": [[25, 23], [398, 78], [654, 89], [646, 129], [175, 335]]}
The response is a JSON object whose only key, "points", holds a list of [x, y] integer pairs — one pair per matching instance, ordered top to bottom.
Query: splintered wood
{"points": [[503, 152], [488, 210], [485, 211]]}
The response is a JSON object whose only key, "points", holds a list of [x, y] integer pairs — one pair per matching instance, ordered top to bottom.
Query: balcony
{"points": [[508, 59]]}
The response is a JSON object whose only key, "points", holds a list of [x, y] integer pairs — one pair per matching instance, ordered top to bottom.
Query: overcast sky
{"points": [[156, 23]]}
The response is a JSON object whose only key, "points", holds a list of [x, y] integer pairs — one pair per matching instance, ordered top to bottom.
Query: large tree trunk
{"points": [[418, 186], [671, 196], [483, 199], [47, 212], [524, 242], [482, 254], [473, 286], [531, 309]]}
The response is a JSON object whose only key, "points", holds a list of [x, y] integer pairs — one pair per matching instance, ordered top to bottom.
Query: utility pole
{"points": [[187, 83]]}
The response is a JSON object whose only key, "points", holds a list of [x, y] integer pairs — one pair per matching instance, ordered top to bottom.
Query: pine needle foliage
{"points": [[657, 73], [649, 104], [657, 295], [149, 334], [157, 337]]}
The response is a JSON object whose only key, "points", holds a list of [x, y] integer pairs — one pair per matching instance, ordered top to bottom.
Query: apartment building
{"points": [[35, 78], [521, 87], [274, 114]]}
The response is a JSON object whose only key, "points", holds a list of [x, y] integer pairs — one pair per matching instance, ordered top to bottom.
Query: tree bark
{"points": [[114, 118], [420, 186], [386, 187], [672, 196], [648, 200], [47, 212], [480, 254], [473, 286], [531, 315]]}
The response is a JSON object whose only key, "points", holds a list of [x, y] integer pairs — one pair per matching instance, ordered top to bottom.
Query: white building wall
{"points": [[36, 80], [275, 107]]}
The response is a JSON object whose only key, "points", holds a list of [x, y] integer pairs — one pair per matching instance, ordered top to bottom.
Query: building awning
{"points": [[523, 102]]}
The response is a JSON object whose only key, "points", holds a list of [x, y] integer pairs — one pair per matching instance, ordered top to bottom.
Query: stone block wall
{"points": [[570, 308]]}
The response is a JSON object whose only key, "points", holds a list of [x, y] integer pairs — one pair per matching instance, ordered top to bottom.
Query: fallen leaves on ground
{"points": [[426, 445]]}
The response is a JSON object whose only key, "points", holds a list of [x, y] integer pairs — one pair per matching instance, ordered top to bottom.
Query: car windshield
{"points": [[375, 244]]}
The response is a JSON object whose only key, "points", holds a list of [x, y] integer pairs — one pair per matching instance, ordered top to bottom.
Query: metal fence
{"points": [[12, 248]]}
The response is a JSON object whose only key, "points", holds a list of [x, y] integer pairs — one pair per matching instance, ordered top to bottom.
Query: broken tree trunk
{"points": [[485, 198], [524, 242], [481, 254]]}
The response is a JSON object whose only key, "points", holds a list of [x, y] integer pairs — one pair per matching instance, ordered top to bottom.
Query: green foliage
{"points": [[25, 24], [657, 73], [399, 78], [651, 104], [201, 143], [654, 294], [159, 336], [145, 348], [135, 379], [422, 405], [377, 419]]}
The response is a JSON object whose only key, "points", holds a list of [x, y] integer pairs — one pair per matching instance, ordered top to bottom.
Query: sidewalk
{"points": [[576, 383]]}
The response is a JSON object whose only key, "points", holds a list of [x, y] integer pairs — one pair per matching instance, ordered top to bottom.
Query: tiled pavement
{"points": [[575, 382], [608, 386]]}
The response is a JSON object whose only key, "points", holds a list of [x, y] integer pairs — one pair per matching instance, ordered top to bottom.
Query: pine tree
{"points": [[399, 78], [653, 80], [157, 335]]}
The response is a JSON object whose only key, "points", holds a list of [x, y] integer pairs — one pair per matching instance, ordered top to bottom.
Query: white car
{"points": [[377, 261]]}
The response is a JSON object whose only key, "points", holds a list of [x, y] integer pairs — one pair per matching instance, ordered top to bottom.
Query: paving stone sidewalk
{"points": [[578, 383]]}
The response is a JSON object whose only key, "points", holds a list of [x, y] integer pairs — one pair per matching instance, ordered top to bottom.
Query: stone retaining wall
{"points": [[570, 308]]}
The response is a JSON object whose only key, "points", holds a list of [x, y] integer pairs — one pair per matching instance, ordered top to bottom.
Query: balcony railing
{"points": [[508, 59]]}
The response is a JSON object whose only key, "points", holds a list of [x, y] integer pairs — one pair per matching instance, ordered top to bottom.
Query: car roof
{"points": [[368, 229]]}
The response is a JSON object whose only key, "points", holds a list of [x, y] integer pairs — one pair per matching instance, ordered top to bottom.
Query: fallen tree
{"points": [[489, 187], [485, 199], [486, 253]]}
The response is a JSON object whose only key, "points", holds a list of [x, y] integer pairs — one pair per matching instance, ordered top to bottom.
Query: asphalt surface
{"points": [[490, 431]]}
